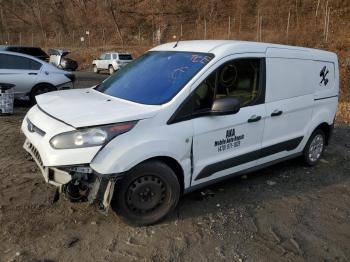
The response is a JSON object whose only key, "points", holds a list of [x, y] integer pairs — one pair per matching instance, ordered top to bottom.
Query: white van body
{"points": [[298, 93]]}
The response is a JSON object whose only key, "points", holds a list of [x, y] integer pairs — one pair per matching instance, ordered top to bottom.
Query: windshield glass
{"points": [[154, 78]]}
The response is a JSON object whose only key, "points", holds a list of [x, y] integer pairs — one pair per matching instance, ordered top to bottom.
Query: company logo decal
{"points": [[323, 74], [230, 141]]}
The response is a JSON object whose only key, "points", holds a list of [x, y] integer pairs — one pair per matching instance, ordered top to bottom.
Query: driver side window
{"points": [[238, 78], [242, 79]]}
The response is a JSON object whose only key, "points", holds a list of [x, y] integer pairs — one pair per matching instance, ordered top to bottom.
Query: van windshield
{"points": [[154, 78]]}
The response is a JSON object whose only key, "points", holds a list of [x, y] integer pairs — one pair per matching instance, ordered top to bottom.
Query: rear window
{"points": [[33, 51], [125, 57], [18, 62]]}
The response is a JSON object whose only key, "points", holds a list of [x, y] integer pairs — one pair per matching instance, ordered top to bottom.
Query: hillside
{"points": [[91, 26]]}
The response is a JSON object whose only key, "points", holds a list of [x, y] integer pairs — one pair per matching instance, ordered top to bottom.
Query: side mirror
{"points": [[225, 106]]}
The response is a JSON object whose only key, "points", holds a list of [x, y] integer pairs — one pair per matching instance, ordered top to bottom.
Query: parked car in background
{"points": [[28, 50], [58, 58], [111, 61], [32, 76]]}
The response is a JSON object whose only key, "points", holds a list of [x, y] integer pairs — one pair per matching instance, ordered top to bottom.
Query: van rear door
{"points": [[289, 102]]}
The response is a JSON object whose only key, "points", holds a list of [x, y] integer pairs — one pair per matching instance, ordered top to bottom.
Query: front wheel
{"points": [[95, 69], [111, 70], [40, 89], [314, 147], [147, 193]]}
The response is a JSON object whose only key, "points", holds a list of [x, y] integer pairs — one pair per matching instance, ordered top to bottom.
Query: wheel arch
{"points": [[44, 83], [41, 84], [323, 118], [327, 129], [174, 165]]}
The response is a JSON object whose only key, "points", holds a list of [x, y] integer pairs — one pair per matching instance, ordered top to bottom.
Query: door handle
{"points": [[32, 74], [277, 113], [254, 118]]}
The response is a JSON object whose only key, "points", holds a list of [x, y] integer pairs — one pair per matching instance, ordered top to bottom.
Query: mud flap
{"points": [[101, 193]]}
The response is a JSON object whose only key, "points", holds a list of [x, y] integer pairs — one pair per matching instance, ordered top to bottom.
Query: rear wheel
{"points": [[94, 68], [111, 70], [40, 89], [314, 147], [147, 193]]}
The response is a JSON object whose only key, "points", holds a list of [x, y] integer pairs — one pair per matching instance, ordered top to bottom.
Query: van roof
{"points": [[222, 47]]}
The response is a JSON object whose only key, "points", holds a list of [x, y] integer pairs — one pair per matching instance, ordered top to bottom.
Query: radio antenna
{"points": [[178, 40]]}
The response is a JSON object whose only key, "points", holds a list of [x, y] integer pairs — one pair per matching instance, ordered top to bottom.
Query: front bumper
{"points": [[65, 86], [64, 168], [51, 175], [100, 190]]}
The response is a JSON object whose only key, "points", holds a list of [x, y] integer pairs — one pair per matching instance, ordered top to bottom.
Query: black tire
{"points": [[95, 69], [111, 70], [40, 89], [312, 159], [146, 194]]}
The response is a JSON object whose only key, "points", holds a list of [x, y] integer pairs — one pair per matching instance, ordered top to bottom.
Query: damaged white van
{"points": [[180, 117]]}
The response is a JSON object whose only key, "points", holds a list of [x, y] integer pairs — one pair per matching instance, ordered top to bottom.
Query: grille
{"points": [[36, 155]]}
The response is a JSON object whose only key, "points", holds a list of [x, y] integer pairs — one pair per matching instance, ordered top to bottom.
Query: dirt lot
{"points": [[283, 213]]}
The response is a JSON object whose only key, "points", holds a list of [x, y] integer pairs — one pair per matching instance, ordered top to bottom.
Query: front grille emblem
{"points": [[30, 126], [34, 129]]}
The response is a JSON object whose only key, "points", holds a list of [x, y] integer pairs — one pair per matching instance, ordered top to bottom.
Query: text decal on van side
{"points": [[323, 74], [230, 141]]}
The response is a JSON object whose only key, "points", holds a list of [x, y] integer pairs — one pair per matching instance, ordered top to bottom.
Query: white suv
{"points": [[111, 61], [32, 76], [183, 116]]}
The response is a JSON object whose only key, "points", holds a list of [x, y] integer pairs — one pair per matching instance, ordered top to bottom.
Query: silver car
{"points": [[32, 76]]}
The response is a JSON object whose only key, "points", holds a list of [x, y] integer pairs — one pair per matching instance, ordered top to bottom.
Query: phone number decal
{"points": [[229, 142]]}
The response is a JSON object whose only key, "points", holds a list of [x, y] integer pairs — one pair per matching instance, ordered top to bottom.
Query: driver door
{"points": [[226, 144]]}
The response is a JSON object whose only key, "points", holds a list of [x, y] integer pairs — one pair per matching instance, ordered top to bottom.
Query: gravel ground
{"points": [[283, 213]]}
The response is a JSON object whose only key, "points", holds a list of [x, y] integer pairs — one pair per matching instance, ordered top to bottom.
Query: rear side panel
{"points": [[326, 91], [289, 101]]}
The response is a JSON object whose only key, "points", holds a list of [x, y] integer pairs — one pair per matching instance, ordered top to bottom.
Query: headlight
{"points": [[88, 137]]}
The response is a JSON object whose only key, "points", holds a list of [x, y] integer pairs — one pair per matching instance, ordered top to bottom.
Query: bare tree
{"points": [[111, 6], [58, 7]]}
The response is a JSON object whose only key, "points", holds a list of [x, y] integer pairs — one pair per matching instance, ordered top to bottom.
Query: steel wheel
{"points": [[146, 194]]}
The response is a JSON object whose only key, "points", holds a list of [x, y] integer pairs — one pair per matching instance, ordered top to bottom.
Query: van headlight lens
{"points": [[89, 137]]}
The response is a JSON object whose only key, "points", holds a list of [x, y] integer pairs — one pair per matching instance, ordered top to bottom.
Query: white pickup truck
{"points": [[111, 61]]}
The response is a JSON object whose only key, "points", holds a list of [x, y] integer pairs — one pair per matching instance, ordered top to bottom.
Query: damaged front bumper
{"points": [[79, 182]]}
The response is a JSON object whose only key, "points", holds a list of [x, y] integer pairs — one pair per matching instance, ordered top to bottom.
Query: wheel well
{"points": [[42, 84], [326, 128], [175, 166]]}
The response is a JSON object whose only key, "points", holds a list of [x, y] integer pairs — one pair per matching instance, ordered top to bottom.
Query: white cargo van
{"points": [[180, 117]]}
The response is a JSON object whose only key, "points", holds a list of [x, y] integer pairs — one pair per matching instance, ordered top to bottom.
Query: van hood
{"points": [[88, 107]]}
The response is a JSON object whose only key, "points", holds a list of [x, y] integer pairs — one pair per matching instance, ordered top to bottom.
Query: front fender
{"points": [[130, 149]]}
